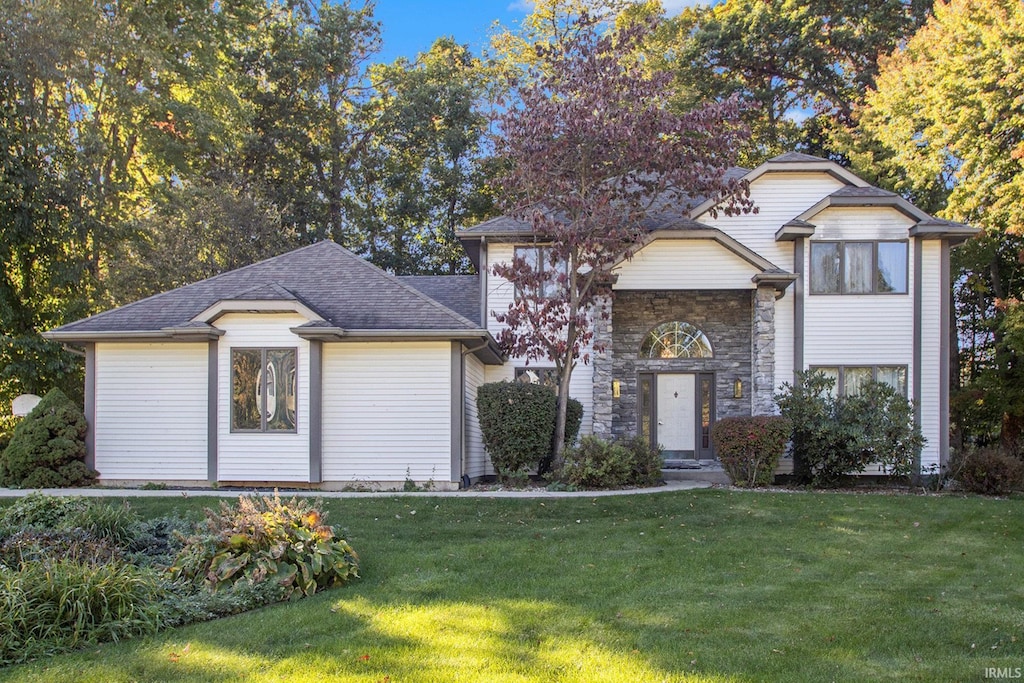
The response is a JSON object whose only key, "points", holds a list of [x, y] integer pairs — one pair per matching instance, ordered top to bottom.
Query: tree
{"points": [[800, 67], [946, 114], [590, 146], [424, 171]]}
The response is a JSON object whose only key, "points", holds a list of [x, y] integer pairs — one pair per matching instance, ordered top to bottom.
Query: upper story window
{"points": [[539, 259], [858, 267], [676, 339], [263, 390]]}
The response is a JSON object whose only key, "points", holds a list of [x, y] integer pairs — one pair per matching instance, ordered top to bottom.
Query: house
{"points": [[315, 367]]}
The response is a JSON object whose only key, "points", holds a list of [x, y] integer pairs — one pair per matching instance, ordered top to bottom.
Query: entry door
{"points": [[677, 411], [677, 416]]}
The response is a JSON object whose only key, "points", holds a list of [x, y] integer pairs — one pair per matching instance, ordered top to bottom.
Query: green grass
{"points": [[691, 586]]}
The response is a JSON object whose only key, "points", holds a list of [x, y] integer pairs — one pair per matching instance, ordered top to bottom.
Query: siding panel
{"points": [[685, 264], [932, 291], [151, 404], [387, 411], [477, 462]]}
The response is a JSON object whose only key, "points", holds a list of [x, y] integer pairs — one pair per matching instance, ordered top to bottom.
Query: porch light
{"points": [[616, 388], [737, 388]]}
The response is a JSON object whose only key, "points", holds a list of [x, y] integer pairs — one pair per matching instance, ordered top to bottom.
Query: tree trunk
{"points": [[560, 417]]}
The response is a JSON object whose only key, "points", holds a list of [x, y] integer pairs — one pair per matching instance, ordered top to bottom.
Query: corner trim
{"points": [[799, 304], [918, 332], [944, 350], [212, 380], [90, 405], [456, 410], [316, 411]]}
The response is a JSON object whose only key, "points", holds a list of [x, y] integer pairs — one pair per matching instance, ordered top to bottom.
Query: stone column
{"points": [[762, 344], [602, 361]]}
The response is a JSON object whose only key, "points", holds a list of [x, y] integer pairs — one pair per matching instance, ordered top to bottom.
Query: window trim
{"points": [[813, 291], [841, 381], [263, 428]]}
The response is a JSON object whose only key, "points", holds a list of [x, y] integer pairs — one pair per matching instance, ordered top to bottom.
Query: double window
{"points": [[858, 267], [850, 379], [263, 390]]}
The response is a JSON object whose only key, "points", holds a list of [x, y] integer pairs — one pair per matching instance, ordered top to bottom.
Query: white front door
{"points": [[677, 415]]}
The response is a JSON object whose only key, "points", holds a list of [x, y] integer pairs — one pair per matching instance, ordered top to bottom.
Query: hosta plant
{"points": [[264, 539]]}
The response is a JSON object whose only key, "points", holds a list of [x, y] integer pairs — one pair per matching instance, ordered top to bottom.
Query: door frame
{"points": [[704, 447]]}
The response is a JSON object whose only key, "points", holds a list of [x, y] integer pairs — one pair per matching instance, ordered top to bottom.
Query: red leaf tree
{"points": [[592, 152]]}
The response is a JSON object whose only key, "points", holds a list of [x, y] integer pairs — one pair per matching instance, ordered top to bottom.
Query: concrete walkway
{"points": [[288, 493]]}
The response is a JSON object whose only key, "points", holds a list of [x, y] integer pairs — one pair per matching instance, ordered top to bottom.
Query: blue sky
{"points": [[411, 26]]}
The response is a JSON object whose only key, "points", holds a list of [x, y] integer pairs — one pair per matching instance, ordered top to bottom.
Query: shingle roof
{"points": [[794, 157], [869, 191], [668, 212], [345, 290], [461, 293]]}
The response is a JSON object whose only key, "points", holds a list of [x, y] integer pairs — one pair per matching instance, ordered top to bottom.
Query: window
{"points": [[540, 258], [858, 267], [675, 339], [532, 375], [850, 379], [263, 389]]}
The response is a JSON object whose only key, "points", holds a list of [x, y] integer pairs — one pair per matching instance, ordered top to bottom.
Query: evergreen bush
{"points": [[517, 421], [833, 437], [750, 447], [47, 448]]}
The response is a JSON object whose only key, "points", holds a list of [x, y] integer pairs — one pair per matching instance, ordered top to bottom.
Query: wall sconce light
{"points": [[616, 388], [737, 388]]}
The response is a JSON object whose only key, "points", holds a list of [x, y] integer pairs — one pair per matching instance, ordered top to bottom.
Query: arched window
{"points": [[676, 339]]}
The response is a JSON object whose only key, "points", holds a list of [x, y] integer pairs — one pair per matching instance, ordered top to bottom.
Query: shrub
{"points": [[517, 421], [7, 425], [834, 437], [750, 447], [47, 448], [599, 464], [989, 470], [37, 509], [262, 539], [56, 606]]}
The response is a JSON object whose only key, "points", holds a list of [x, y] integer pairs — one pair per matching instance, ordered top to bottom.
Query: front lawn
{"points": [[707, 585]]}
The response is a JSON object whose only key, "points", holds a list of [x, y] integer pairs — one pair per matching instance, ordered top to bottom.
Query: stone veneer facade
{"points": [[738, 323]]}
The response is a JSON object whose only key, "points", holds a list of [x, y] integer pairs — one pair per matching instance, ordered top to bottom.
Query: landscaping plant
{"points": [[517, 421], [833, 437], [750, 447], [47, 448], [599, 464], [990, 470], [261, 539]]}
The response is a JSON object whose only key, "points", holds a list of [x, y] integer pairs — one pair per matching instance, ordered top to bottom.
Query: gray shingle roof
{"points": [[794, 157], [869, 191], [668, 212], [345, 290], [461, 293]]}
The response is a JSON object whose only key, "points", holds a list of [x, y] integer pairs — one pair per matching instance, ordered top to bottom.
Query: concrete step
{"points": [[709, 474]]}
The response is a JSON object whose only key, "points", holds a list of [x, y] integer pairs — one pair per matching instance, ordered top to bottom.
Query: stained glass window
{"points": [[676, 340]]}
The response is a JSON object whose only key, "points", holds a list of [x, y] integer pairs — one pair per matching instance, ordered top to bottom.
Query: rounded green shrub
{"points": [[517, 421], [750, 447], [47, 448], [599, 464]]}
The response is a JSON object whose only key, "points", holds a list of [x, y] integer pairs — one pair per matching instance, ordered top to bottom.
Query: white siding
{"points": [[779, 198], [861, 223], [685, 264], [932, 291], [500, 294], [784, 335], [151, 411], [387, 411], [262, 456], [477, 462]]}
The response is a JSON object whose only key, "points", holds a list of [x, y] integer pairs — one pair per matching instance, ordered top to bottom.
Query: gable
{"points": [[862, 223], [685, 264]]}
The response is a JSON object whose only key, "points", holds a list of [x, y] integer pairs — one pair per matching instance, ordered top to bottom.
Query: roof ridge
{"points": [[218, 276], [416, 292]]}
